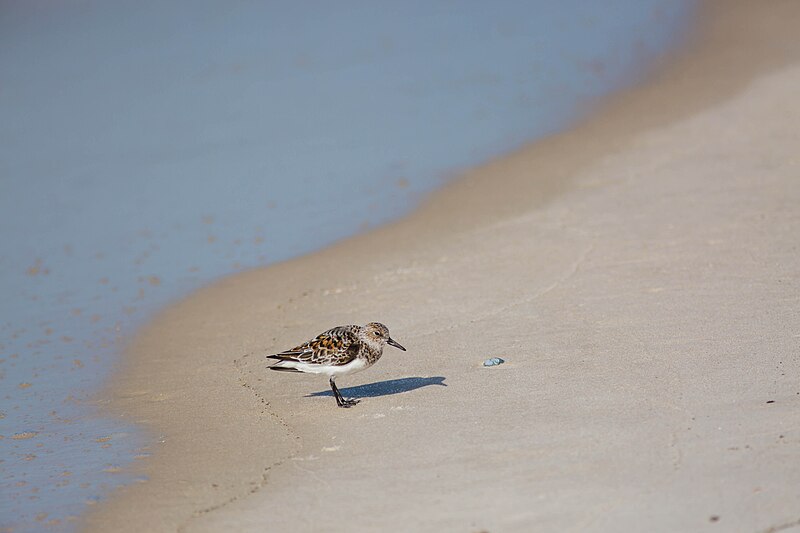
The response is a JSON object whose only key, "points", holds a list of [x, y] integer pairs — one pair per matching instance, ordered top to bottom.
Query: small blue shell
{"points": [[494, 361]]}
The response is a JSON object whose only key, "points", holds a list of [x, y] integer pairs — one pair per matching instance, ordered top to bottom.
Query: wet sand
{"points": [[639, 275]]}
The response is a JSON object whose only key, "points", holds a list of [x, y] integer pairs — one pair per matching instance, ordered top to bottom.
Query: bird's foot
{"points": [[350, 402]]}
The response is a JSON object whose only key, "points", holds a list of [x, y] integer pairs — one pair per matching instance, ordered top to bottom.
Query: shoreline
{"points": [[194, 374]]}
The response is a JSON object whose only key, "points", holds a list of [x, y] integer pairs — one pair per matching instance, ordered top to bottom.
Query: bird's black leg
{"points": [[338, 395], [340, 401]]}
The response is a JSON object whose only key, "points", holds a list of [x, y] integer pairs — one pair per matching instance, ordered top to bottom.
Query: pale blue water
{"points": [[148, 148]]}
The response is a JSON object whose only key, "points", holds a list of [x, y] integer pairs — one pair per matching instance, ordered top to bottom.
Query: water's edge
{"points": [[677, 95], [147, 171]]}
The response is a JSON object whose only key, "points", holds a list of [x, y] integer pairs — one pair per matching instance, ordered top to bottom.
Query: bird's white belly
{"points": [[353, 366], [329, 370]]}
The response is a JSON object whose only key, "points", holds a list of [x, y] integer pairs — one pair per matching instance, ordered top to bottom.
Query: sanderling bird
{"points": [[339, 351]]}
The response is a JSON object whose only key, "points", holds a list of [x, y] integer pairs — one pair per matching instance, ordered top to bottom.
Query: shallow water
{"points": [[149, 148]]}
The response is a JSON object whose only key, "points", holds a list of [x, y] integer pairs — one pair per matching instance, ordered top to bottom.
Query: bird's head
{"points": [[377, 335]]}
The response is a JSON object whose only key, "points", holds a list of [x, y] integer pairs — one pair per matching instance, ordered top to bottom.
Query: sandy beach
{"points": [[638, 274]]}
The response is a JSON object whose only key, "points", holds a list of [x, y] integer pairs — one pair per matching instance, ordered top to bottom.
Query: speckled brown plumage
{"points": [[337, 346]]}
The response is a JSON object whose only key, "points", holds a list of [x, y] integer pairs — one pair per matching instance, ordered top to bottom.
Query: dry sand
{"points": [[639, 274]]}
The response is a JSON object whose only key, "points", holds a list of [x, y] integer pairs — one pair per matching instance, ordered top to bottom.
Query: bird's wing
{"points": [[337, 346]]}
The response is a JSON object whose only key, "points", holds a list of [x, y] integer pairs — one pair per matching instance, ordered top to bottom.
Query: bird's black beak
{"points": [[392, 342]]}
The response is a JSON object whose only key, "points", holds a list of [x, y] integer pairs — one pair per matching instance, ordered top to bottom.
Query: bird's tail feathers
{"points": [[283, 369]]}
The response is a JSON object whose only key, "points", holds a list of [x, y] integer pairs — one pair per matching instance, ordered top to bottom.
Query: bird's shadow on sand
{"points": [[385, 388]]}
